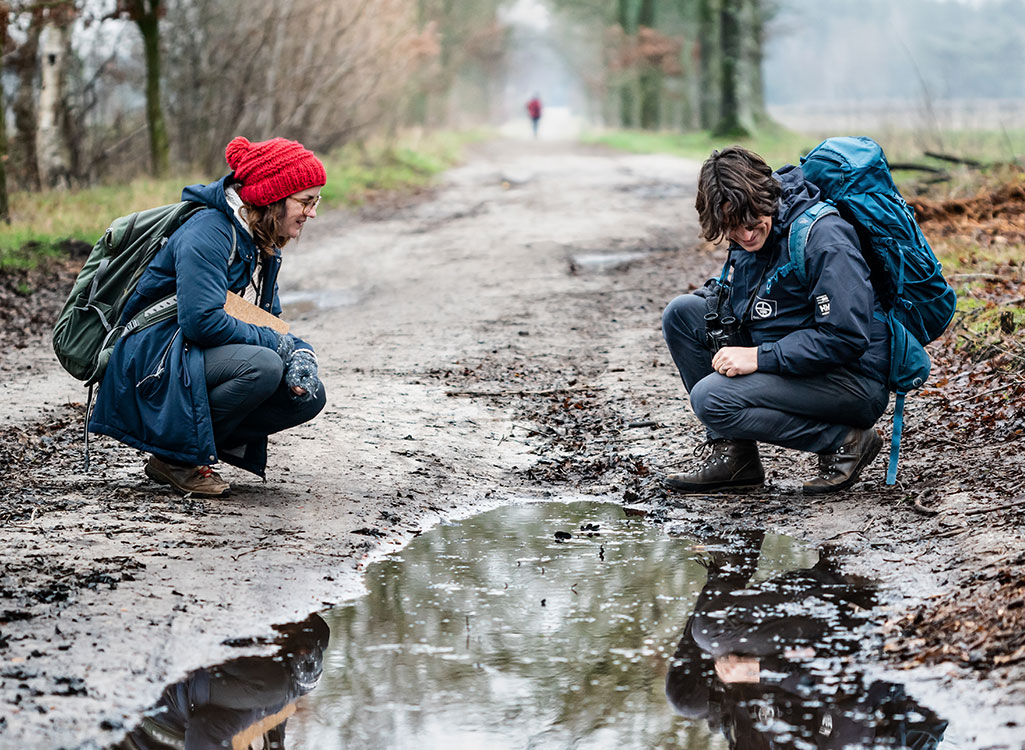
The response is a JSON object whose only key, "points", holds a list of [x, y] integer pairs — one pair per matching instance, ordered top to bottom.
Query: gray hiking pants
{"points": [[248, 396], [809, 413]]}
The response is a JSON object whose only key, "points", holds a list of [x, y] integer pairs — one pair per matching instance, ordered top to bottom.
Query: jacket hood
{"points": [[211, 194], [798, 195]]}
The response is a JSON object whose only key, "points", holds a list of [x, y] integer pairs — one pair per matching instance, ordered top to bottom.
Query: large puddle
{"points": [[564, 626]]}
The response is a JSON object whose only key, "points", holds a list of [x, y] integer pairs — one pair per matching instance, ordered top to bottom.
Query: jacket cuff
{"points": [[768, 358]]}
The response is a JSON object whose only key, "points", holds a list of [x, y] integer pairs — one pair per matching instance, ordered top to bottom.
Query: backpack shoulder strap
{"points": [[797, 239], [234, 245]]}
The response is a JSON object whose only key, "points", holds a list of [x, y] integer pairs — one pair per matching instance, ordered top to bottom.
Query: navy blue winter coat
{"points": [[805, 329], [153, 394]]}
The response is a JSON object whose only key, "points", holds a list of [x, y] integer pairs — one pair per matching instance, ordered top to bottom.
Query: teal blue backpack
{"points": [[855, 181]]}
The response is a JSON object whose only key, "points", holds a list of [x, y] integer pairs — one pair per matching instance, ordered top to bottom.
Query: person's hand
{"points": [[736, 360], [301, 374], [732, 669]]}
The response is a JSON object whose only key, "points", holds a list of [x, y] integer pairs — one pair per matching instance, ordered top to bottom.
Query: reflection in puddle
{"points": [[499, 632], [763, 662], [240, 704]]}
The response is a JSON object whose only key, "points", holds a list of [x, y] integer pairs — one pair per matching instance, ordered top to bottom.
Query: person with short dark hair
{"points": [[766, 357]]}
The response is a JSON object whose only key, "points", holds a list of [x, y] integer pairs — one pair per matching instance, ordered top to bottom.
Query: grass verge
{"points": [[779, 146], [44, 223]]}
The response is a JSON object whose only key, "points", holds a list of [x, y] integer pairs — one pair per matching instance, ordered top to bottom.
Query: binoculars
{"points": [[720, 332]]}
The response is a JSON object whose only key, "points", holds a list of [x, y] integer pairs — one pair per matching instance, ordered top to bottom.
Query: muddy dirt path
{"points": [[496, 341]]}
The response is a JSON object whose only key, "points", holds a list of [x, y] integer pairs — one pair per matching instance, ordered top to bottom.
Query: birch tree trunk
{"points": [[51, 151]]}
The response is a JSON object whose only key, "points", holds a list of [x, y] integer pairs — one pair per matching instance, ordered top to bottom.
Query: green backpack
{"points": [[87, 328]]}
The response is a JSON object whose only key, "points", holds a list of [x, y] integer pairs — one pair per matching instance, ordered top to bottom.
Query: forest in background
{"points": [[103, 91]]}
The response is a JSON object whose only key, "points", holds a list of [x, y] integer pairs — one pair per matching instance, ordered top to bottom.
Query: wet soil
{"points": [[478, 350]]}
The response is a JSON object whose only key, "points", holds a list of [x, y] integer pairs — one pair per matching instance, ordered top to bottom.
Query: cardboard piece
{"points": [[239, 308]]}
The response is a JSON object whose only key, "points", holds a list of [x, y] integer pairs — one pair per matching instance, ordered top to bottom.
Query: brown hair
{"points": [[735, 189], [265, 222]]}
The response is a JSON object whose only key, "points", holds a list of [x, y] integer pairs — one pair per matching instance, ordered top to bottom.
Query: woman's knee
{"points": [[265, 370], [307, 409]]}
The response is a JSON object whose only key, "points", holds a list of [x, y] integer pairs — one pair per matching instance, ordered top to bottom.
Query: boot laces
{"points": [[711, 451], [205, 471]]}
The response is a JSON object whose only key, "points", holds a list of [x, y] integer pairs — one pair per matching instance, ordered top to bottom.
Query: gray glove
{"points": [[286, 345], [301, 371]]}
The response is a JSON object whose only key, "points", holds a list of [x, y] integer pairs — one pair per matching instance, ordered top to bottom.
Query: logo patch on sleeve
{"points": [[822, 301], [763, 308]]}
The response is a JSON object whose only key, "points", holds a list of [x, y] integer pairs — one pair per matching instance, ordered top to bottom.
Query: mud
{"points": [[473, 360]]}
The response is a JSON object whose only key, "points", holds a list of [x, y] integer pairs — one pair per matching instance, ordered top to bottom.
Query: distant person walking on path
{"points": [[534, 111], [800, 365], [206, 386]]}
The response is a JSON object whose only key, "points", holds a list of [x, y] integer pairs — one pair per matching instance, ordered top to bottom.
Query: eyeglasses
{"points": [[308, 204]]}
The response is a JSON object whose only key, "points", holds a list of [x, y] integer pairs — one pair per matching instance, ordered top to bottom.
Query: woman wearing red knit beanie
{"points": [[205, 386]]}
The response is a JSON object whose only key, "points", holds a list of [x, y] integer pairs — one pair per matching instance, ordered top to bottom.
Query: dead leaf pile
{"points": [[983, 630]]}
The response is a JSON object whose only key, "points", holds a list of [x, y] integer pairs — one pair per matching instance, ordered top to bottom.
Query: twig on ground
{"points": [[985, 393], [644, 423], [1013, 504], [916, 505], [945, 534]]}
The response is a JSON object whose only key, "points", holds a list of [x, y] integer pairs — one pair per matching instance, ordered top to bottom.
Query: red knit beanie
{"points": [[272, 170]]}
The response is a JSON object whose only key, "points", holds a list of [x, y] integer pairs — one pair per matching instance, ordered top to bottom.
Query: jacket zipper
{"points": [[156, 374]]}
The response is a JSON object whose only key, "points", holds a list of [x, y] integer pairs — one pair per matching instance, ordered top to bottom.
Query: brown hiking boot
{"points": [[728, 464], [838, 471], [195, 480]]}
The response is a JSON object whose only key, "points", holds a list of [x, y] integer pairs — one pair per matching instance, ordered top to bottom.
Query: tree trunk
{"points": [[756, 14], [147, 18], [708, 60], [24, 61], [650, 78], [627, 88], [729, 123], [51, 150], [5, 208]]}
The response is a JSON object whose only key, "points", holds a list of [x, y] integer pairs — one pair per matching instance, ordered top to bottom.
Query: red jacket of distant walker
{"points": [[534, 108]]}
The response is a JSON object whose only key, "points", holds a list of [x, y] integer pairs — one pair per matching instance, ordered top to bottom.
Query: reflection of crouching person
{"points": [[807, 367]]}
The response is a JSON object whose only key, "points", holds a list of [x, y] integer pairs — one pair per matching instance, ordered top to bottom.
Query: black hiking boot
{"points": [[727, 465], [838, 471]]}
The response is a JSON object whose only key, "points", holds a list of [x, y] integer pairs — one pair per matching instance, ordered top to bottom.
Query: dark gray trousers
{"points": [[248, 396], [809, 413]]}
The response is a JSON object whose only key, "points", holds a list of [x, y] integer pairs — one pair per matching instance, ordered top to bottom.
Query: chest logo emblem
{"points": [[764, 308]]}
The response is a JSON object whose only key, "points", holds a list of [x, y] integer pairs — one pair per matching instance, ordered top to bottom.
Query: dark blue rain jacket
{"points": [[806, 329], [153, 395]]}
